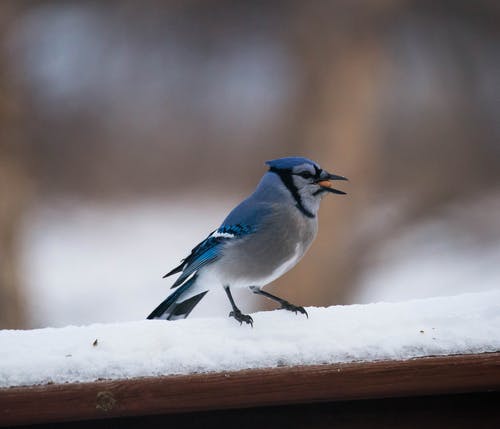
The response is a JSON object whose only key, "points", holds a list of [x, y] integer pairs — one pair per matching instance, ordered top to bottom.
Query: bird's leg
{"points": [[285, 305], [236, 313]]}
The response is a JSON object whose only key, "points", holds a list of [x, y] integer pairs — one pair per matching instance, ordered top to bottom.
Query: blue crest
{"points": [[289, 162]]}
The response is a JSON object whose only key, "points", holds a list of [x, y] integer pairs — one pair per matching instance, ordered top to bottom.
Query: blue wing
{"points": [[209, 250]]}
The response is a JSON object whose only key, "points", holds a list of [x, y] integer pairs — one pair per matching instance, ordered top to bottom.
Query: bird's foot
{"points": [[295, 308], [240, 317]]}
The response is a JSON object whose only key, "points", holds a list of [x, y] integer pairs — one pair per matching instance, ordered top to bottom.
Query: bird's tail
{"points": [[176, 306]]}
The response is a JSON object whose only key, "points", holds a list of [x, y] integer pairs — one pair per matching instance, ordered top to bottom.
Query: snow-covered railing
{"points": [[423, 347], [250, 388]]}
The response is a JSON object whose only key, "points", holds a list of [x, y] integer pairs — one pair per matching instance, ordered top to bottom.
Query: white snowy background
{"points": [[99, 89], [110, 259], [87, 263]]}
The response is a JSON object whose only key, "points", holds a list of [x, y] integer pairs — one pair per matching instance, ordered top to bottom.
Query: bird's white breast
{"points": [[283, 268], [214, 275]]}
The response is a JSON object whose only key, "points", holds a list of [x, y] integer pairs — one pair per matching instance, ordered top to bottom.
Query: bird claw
{"points": [[295, 308], [240, 317]]}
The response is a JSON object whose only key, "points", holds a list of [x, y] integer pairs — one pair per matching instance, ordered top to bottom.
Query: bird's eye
{"points": [[305, 175]]}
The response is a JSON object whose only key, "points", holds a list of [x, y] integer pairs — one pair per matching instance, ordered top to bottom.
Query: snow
{"points": [[468, 323]]}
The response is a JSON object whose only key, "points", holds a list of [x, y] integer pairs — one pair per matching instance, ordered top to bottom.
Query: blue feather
{"points": [[290, 162], [209, 250]]}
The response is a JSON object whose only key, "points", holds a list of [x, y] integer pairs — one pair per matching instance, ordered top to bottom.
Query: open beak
{"points": [[326, 185]]}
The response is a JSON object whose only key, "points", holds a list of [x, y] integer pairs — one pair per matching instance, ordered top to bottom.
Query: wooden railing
{"points": [[444, 375]]}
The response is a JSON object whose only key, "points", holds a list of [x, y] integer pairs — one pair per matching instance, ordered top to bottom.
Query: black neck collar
{"points": [[286, 178]]}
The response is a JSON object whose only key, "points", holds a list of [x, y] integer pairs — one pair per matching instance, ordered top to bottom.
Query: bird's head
{"points": [[306, 181]]}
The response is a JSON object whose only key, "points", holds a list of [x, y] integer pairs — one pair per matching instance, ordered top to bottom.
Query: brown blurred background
{"points": [[128, 129]]}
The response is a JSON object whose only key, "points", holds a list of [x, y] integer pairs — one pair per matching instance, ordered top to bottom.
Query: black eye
{"points": [[305, 175]]}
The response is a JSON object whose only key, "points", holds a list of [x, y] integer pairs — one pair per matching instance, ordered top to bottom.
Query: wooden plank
{"points": [[250, 388], [462, 411]]}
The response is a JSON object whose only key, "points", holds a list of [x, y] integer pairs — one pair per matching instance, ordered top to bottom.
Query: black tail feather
{"points": [[177, 269], [164, 306], [185, 307], [173, 309]]}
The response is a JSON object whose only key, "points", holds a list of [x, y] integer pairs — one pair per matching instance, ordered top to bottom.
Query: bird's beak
{"points": [[326, 185]]}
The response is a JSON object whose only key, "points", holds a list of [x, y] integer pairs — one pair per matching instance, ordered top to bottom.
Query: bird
{"points": [[260, 240]]}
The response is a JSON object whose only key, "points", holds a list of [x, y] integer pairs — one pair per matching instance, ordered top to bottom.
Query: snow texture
{"points": [[468, 323]]}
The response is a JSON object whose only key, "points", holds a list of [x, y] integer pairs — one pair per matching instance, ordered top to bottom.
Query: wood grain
{"points": [[250, 388]]}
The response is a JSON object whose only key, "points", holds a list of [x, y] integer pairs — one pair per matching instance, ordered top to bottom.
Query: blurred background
{"points": [[129, 129]]}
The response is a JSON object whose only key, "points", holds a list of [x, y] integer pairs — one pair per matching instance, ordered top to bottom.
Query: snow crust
{"points": [[468, 323]]}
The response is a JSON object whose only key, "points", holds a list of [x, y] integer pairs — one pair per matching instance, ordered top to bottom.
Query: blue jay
{"points": [[260, 240]]}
